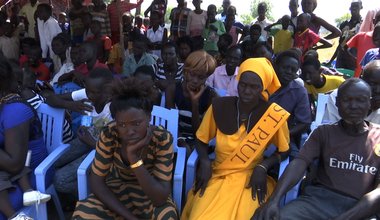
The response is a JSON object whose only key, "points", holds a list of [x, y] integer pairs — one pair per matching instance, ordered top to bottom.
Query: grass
{"points": [[326, 54]]}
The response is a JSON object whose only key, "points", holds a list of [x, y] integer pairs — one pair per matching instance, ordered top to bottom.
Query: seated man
{"points": [[347, 181]]}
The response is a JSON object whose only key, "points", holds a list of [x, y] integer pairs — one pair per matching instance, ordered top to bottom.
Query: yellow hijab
{"points": [[264, 69]]}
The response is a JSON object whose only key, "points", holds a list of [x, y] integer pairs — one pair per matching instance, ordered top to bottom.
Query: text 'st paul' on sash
{"points": [[255, 142]]}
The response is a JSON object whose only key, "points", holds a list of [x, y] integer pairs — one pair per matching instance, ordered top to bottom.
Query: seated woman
{"points": [[191, 95], [20, 131], [133, 164], [236, 183]]}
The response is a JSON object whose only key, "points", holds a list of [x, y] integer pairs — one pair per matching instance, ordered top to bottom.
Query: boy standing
{"points": [[305, 39]]}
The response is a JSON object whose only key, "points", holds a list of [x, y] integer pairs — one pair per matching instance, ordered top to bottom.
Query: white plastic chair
{"points": [[321, 108], [167, 119]]}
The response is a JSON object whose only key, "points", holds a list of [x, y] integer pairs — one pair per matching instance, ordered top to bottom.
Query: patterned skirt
{"points": [[133, 198]]}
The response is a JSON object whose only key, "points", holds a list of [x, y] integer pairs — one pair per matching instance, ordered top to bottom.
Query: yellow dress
{"points": [[226, 196]]}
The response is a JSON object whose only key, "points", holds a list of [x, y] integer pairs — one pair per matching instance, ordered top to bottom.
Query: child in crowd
{"points": [[157, 5], [262, 9], [75, 13], [99, 13], [179, 17], [197, 19], [86, 21], [62, 22], [139, 24], [233, 27], [48, 28], [213, 29], [156, 34], [254, 35], [283, 37], [304, 38], [10, 41], [103, 42], [224, 42], [362, 42], [61, 47], [185, 47], [262, 49], [372, 54], [117, 56], [139, 56], [86, 61], [34, 62], [169, 71], [147, 74], [224, 75], [317, 82], [96, 93], [192, 96], [292, 97]]}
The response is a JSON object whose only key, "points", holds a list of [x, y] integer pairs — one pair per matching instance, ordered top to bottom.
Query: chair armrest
{"points": [[42, 168], [83, 170], [190, 170], [179, 176]]}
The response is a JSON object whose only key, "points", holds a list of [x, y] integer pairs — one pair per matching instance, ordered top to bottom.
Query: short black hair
{"points": [[46, 7], [255, 27], [63, 37], [227, 37], [185, 40], [169, 44], [287, 53], [312, 62], [148, 70], [101, 73], [348, 83], [132, 92]]}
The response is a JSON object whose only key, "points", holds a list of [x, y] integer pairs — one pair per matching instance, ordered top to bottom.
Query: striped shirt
{"points": [[102, 17], [160, 71], [36, 101]]}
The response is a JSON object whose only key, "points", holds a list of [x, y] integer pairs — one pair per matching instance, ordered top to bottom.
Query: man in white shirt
{"points": [[261, 20], [48, 28]]}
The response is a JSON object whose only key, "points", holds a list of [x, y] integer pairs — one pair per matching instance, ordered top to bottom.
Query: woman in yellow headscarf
{"points": [[235, 184]]}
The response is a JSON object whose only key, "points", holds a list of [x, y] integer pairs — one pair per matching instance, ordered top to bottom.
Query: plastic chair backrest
{"points": [[321, 108], [167, 119], [52, 125]]}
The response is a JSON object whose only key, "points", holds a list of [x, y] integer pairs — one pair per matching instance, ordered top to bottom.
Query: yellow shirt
{"points": [[28, 11], [282, 41], [332, 82], [228, 197]]}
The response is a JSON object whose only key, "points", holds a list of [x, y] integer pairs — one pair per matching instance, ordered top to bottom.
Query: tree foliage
{"points": [[254, 5], [167, 14], [343, 18], [246, 19]]}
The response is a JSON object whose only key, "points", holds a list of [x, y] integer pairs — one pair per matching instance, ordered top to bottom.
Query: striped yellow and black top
{"points": [[158, 159]]}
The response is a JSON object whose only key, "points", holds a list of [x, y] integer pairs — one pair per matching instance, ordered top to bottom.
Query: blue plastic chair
{"points": [[65, 88], [160, 116], [52, 126]]}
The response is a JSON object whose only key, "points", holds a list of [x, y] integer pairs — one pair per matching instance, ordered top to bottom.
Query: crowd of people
{"points": [[239, 89]]}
